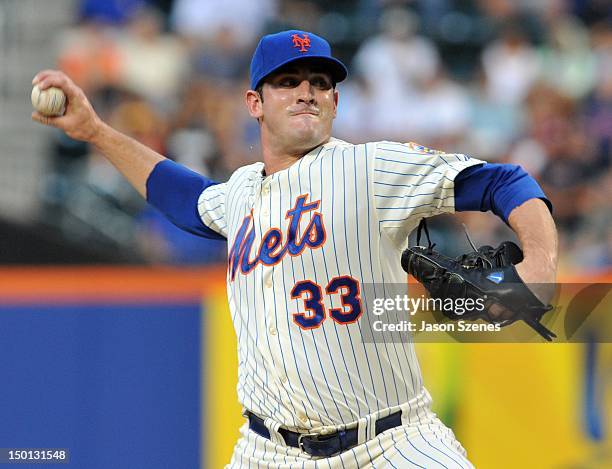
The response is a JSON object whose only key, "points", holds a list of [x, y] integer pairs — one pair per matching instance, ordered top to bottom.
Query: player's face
{"points": [[298, 107]]}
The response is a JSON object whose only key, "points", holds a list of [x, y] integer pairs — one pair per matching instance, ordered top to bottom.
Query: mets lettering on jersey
{"points": [[302, 242], [272, 249]]}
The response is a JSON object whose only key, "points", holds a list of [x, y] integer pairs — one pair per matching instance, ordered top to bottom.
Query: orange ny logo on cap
{"points": [[302, 42]]}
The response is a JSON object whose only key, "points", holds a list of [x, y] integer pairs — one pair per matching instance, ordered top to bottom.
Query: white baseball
{"points": [[49, 102]]}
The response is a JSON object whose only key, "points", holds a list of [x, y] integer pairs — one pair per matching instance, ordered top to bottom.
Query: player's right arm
{"points": [[177, 192]]}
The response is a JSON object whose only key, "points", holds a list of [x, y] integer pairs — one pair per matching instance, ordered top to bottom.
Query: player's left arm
{"points": [[513, 195]]}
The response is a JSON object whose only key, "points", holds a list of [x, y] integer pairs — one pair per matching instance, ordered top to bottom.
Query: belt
{"points": [[316, 444]]}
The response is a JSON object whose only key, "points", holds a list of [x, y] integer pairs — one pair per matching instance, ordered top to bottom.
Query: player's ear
{"points": [[336, 98], [254, 104]]}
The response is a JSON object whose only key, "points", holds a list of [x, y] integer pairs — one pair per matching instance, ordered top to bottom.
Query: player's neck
{"points": [[275, 163]]}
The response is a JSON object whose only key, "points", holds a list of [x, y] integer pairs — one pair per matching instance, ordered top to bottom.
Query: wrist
{"points": [[98, 133], [539, 259], [539, 268], [539, 279]]}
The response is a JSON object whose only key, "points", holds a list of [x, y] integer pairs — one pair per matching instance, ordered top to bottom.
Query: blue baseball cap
{"points": [[276, 50]]}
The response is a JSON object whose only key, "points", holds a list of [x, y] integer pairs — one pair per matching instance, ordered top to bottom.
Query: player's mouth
{"points": [[311, 112]]}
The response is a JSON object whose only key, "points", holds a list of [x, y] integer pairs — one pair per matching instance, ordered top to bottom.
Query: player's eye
{"points": [[288, 82], [321, 82]]}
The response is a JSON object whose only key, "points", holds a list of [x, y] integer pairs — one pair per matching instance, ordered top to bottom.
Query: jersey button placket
{"points": [[265, 190]]}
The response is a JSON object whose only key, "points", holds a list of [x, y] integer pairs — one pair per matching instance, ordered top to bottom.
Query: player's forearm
{"points": [[133, 159], [537, 234]]}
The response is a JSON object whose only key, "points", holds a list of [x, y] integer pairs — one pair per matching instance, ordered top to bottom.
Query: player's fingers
{"points": [[43, 74], [55, 79], [59, 80], [45, 120]]}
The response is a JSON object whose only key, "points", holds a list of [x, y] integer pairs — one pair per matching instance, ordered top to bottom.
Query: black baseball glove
{"points": [[487, 274]]}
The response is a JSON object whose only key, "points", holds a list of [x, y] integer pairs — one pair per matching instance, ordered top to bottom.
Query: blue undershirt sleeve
{"points": [[496, 187], [174, 190]]}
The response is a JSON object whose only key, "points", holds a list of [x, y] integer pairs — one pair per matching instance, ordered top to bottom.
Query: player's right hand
{"points": [[80, 121]]}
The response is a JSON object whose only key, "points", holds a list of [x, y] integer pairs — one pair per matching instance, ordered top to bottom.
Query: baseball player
{"points": [[307, 228]]}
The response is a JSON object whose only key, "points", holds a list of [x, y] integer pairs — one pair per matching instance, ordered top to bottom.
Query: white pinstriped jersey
{"points": [[301, 243]]}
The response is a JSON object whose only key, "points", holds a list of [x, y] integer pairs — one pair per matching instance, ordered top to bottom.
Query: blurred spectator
{"points": [[500, 10], [109, 11], [591, 11], [296, 14], [529, 14], [205, 19], [90, 56], [220, 60], [567, 61], [396, 62], [153, 64], [396, 65], [511, 66], [598, 106], [220, 111], [443, 112], [135, 117], [355, 120], [493, 126], [236, 131], [192, 141], [193, 147], [531, 155], [572, 159], [592, 242]]}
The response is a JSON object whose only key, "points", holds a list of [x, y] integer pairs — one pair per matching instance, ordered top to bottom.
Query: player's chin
{"points": [[305, 122], [309, 129], [307, 138]]}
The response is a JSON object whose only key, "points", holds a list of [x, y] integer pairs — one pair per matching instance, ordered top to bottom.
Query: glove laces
{"points": [[423, 227], [472, 258]]}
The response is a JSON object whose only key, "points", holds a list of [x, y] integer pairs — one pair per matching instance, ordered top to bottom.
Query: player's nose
{"points": [[305, 92]]}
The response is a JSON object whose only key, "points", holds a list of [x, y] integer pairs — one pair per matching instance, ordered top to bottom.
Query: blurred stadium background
{"points": [[104, 305]]}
